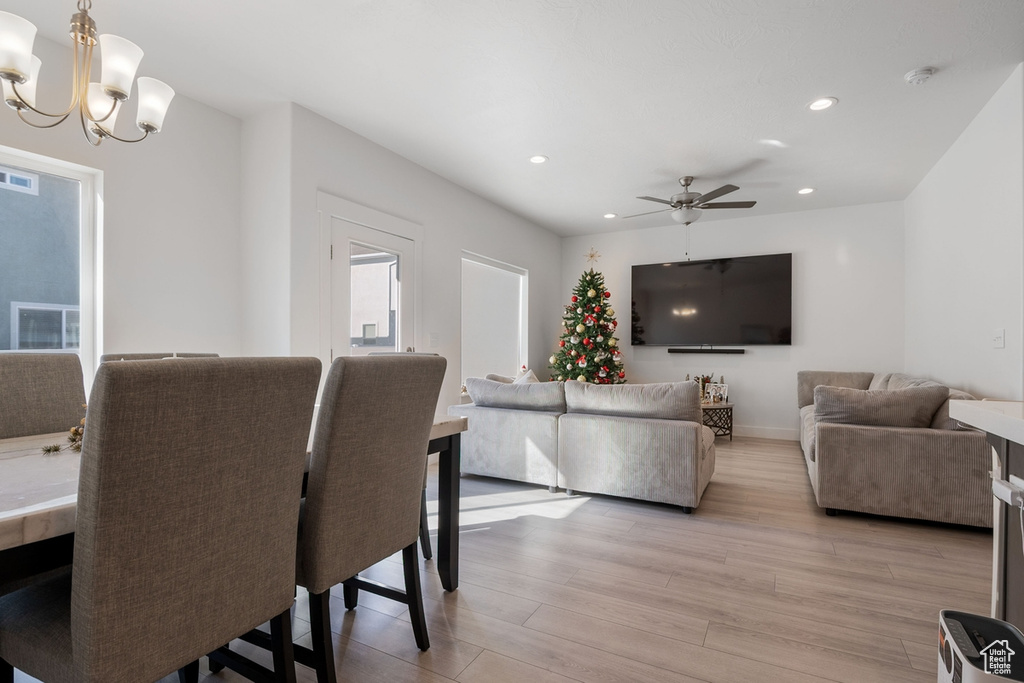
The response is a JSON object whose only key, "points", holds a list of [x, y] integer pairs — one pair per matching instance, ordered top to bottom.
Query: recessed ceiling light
{"points": [[823, 103], [774, 143], [538, 159], [806, 190], [611, 215]]}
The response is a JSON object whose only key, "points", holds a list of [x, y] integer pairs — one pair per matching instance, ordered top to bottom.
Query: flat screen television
{"points": [[741, 301]]}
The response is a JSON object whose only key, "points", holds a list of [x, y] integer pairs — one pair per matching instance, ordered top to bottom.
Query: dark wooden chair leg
{"points": [[687, 509], [831, 512], [424, 527], [410, 563], [351, 592], [323, 646], [282, 647], [215, 666], [6, 672], [189, 673]]}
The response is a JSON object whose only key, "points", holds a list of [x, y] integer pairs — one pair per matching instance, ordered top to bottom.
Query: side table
{"points": [[718, 416]]}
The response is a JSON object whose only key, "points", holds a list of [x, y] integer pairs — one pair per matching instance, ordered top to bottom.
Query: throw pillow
{"points": [[499, 378], [526, 378], [546, 396], [666, 400], [911, 407]]}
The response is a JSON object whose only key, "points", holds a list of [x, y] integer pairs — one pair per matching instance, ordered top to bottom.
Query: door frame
{"points": [[330, 206]]}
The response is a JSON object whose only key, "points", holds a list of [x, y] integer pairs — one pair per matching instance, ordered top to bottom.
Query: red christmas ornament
{"points": [[607, 295], [574, 299], [597, 309], [615, 323], [587, 342], [561, 343], [605, 368], [621, 375]]}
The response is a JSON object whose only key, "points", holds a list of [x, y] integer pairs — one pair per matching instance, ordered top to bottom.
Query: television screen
{"points": [[740, 301]]}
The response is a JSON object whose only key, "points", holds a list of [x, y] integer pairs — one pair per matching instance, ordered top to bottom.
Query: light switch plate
{"points": [[999, 338]]}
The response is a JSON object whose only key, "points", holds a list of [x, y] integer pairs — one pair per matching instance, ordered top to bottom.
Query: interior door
{"points": [[372, 291]]}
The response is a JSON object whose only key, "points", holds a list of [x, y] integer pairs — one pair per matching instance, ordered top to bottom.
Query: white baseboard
{"points": [[778, 433]]}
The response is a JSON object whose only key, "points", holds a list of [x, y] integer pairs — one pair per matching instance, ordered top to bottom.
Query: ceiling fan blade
{"points": [[715, 194], [663, 201], [727, 205], [648, 213]]}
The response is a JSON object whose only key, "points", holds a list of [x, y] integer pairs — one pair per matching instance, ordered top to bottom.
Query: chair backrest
{"points": [[153, 356], [40, 393], [366, 471], [188, 504]]}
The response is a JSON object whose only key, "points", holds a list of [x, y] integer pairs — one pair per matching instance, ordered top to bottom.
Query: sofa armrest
{"points": [[806, 380], [934, 474]]}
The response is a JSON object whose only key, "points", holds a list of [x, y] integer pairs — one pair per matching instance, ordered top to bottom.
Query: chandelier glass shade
{"points": [[97, 102]]}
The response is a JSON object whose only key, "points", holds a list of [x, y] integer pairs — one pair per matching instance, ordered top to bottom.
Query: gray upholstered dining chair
{"points": [[153, 356], [40, 393], [363, 495], [188, 497]]}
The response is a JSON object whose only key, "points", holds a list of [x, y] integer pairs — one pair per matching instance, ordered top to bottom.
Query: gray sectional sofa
{"points": [[641, 441], [885, 444]]}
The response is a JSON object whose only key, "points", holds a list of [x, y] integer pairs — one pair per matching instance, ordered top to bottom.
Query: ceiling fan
{"points": [[686, 206]]}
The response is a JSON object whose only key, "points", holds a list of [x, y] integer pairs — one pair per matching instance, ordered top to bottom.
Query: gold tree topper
{"points": [[592, 255]]}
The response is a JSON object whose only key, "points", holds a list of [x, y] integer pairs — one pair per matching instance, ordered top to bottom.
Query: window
{"points": [[47, 255], [494, 315], [45, 327]]}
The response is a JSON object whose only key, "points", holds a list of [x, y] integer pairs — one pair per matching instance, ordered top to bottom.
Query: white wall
{"points": [[326, 157], [265, 235], [965, 255], [171, 267], [847, 301]]}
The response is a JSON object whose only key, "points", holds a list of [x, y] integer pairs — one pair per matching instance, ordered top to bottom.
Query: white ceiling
{"points": [[624, 96]]}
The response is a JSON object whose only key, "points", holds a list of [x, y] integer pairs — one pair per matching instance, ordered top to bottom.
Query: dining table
{"points": [[39, 494]]}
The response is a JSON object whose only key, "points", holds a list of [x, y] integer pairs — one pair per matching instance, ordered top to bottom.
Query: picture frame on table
{"points": [[716, 393]]}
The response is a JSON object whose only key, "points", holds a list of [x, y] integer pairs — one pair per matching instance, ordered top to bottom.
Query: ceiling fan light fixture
{"points": [[822, 103], [686, 215]]}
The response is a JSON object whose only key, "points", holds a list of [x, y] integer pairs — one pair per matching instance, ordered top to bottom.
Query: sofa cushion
{"points": [[899, 381], [880, 382], [548, 396], [666, 401], [911, 407], [942, 420], [807, 431]]}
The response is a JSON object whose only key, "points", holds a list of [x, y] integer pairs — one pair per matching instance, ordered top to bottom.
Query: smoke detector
{"points": [[919, 76]]}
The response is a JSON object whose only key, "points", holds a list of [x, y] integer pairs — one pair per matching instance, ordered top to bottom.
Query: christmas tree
{"points": [[588, 350]]}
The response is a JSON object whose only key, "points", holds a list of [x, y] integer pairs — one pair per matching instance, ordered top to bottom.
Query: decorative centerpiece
{"points": [[74, 440]]}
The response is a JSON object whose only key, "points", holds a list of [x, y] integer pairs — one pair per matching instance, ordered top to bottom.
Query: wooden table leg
{"points": [[449, 466]]}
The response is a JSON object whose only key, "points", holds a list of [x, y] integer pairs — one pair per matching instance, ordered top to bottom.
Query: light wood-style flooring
{"points": [[757, 585]]}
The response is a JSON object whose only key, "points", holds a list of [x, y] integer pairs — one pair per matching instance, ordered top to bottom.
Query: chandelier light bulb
{"points": [[17, 36], [120, 60], [27, 90], [154, 99], [104, 109]]}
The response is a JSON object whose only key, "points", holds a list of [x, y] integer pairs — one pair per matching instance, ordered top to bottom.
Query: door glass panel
{"points": [[374, 312]]}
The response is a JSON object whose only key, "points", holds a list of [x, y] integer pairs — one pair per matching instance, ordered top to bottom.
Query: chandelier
{"points": [[98, 103]]}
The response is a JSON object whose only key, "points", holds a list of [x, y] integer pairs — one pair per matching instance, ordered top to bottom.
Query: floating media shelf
{"points": [[707, 350]]}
